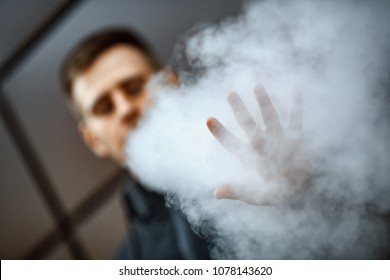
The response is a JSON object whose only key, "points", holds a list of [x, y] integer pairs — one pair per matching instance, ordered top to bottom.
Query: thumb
{"points": [[225, 192], [244, 194]]}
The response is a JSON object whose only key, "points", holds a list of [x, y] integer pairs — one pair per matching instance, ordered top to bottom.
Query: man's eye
{"points": [[133, 86], [103, 107]]}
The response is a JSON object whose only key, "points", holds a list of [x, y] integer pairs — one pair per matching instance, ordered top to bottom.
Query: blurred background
{"points": [[58, 201]]}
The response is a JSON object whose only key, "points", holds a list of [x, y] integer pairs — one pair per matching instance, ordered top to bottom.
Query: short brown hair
{"points": [[83, 55]]}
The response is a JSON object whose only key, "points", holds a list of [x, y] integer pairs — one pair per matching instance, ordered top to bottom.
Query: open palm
{"points": [[278, 153]]}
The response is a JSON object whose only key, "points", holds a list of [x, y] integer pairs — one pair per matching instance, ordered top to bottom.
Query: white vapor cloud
{"points": [[337, 54]]}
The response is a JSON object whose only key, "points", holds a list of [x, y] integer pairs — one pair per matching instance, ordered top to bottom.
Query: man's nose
{"points": [[122, 104]]}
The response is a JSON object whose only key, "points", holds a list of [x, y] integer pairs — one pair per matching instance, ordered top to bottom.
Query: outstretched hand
{"points": [[278, 152]]}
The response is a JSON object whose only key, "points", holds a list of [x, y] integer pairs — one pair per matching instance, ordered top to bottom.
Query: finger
{"points": [[296, 112], [241, 113], [270, 116], [224, 136], [225, 192], [241, 193]]}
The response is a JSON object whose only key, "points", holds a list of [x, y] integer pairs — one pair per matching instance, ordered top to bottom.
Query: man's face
{"points": [[111, 96]]}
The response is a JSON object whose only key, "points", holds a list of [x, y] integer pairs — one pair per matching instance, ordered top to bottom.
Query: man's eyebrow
{"points": [[131, 79], [122, 82], [98, 99]]}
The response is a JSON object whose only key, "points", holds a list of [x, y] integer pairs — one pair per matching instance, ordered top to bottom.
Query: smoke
{"points": [[336, 54]]}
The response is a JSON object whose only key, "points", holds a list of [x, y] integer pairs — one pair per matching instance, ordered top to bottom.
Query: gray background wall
{"points": [[61, 202]]}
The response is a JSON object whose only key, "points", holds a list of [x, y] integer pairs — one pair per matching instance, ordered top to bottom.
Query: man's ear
{"points": [[170, 77], [91, 141]]}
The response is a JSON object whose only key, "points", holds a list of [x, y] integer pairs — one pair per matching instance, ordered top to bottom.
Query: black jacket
{"points": [[157, 232]]}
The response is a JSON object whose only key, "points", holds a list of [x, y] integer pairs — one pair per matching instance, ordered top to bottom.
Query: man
{"points": [[104, 78]]}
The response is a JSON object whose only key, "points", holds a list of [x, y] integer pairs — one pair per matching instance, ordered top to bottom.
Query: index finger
{"points": [[296, 112], [241, 113], [270, 116]]}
